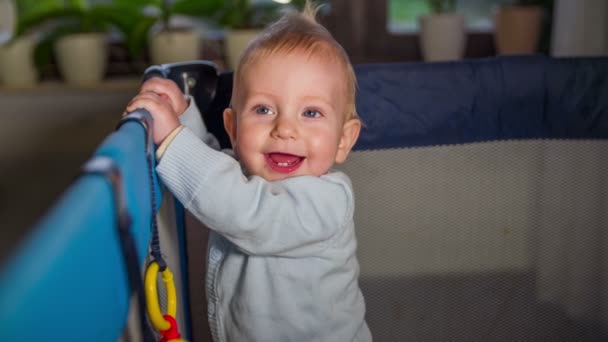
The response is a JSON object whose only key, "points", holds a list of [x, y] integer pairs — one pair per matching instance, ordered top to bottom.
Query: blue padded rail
{"points": [[423, 104], [69, 280]]}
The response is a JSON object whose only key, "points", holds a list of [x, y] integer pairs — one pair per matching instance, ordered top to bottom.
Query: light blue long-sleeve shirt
{"points": [[281, 262]]}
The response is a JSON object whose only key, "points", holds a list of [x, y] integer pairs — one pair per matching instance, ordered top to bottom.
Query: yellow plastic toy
{"points": [[166, 324]]}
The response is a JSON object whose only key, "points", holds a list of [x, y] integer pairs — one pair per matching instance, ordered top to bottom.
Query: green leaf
{"points": [[137, 3], [83, 5], [442, 6], [28, 7], [198, 8], [243, 14], [33, 20], [123, 20], [137, 39]]}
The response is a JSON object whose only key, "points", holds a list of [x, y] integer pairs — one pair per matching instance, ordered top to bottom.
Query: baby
{"points": [[282, 260]]}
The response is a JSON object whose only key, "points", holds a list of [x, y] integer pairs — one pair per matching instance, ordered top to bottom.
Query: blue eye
{"points": [[263, 110], [311, 113]]}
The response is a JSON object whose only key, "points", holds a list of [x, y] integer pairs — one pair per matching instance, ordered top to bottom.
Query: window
{"points": [[403, 14]]}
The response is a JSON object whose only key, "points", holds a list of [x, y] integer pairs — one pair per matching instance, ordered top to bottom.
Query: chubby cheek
{"points": [[248, 147], [322, 148]]}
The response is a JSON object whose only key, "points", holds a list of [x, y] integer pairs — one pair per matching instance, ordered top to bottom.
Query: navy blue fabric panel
{"points": [[577, 97], [421, 104]]}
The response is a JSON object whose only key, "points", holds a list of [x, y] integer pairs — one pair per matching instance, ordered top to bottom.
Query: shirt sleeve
{"points": [[193, 119], [163, 146], [292, 217]]}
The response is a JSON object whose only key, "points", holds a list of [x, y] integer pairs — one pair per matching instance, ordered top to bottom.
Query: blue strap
{"points": [[143, 117]]}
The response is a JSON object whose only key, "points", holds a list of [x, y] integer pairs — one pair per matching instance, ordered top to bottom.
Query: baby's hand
{"points": [[167, 90], [161, 109]]}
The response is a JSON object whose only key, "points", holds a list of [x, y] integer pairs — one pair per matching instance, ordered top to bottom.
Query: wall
{"points": [[46, 133]]}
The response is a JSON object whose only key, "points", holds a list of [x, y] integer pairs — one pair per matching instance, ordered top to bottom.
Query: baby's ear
{"points": [[230, 124], [350, 134]]}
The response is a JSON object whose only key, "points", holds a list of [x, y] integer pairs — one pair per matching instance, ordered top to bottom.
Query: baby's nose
{"points": [[284, 128]]}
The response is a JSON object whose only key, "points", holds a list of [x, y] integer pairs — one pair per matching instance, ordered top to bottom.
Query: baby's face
{"points": [[288, 118]]}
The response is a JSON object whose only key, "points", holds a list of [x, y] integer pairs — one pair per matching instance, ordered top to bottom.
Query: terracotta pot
{"points": [[518, 29], [442, 37], [236, 41], [174, 46], [82, 58], [17, 69]]}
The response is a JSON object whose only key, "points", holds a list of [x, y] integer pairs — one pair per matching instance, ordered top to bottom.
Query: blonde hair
{"points": [[300, 32]]}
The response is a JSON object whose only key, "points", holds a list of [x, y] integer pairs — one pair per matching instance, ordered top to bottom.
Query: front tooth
{"points": [[283, 164]]}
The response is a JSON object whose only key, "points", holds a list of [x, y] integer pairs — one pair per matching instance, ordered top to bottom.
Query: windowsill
{"points": [[416, 31]]}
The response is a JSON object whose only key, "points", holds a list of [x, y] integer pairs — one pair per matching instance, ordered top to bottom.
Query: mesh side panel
{"points": [[497, 241]]}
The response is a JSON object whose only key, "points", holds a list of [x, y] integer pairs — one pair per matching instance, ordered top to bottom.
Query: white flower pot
{"points": [[442, 37], [236, 42], [174, 46], [82, 58], [17, 69]]}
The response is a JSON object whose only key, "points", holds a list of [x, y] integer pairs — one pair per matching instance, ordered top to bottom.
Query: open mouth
{"points": [[283, 162]]}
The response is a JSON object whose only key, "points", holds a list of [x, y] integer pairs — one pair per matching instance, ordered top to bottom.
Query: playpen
{"points": [[481, 211]]}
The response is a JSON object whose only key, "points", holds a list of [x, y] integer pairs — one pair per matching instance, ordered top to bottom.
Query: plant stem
{"points": [[165, 14]]}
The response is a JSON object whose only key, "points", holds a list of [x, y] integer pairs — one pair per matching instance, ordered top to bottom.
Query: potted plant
{"points": [[245, 19], [519, 26], [156, 27], [76, 32], [442, 33]]}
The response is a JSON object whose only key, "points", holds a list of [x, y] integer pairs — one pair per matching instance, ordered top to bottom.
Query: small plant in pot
{"points": [[244, 19], [158, 27], [76, 32]]}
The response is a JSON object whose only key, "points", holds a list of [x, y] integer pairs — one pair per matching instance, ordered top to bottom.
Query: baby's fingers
{"points": [[159, 85], [169, 90], [148, 101], [150, 106]]}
